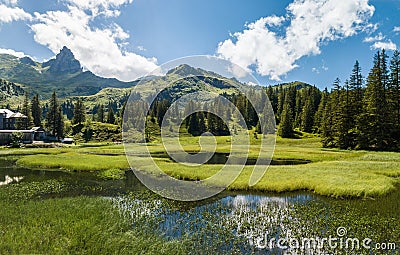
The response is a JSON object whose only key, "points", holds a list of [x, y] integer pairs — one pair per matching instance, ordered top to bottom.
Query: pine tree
{"points": [[273, 98], [394, 100], [355, 104], [162, 108], [26, 110], [298, 110], [36, 111], [79, 112], [100, 113], [307, 113], [110, 115], [54, 117], [333, 117], [318, 118], [344, 121], [59, 123], [201, 123], [212, 123], [373, 124], [193, 125], [286, 125], [327, 131]]}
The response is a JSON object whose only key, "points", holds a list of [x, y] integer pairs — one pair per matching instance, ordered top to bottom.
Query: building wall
{"points": [[2, 116], [5, 137]]}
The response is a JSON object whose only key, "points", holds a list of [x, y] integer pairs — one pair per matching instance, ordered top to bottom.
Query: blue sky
{"points": [[278, 41]]}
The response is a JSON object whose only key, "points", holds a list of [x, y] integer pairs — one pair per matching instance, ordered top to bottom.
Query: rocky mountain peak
{"points": [[27, 61], [64, 62], [185, 70]]}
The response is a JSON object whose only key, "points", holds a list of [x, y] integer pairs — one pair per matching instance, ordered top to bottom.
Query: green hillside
{"points": [[62, 74], [11, 94]]}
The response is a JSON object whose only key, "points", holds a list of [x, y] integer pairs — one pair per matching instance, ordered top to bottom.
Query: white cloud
{"points": [[10, 2], [97, 7], [10, 14], [274, 20], [312, 22], [396, 29], [376, 38], [384, 45], [98, 49], [12, 52]]}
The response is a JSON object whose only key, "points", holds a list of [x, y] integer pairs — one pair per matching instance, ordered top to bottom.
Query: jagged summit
{"points": [[27, 61], [64, 62], [185, 70], [63, 74]]}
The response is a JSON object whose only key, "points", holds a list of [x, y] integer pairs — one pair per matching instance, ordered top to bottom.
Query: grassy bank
{"points": [[338, 173], [78, 225]]}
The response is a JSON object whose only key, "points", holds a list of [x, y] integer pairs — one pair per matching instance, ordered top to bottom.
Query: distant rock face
{"points": [[27, 61], [64, 62], [185, 70]]}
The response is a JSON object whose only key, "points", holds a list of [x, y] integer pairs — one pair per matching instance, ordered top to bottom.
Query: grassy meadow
{"points": [[332, 172], [71, 225]]}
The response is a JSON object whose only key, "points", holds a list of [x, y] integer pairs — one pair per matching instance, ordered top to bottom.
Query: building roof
{"points": [[11, 114], [37, 129], [16, 131]]}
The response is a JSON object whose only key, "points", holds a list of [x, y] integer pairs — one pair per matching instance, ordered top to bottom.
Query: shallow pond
{"points": [[220, 158], [237, 222]]}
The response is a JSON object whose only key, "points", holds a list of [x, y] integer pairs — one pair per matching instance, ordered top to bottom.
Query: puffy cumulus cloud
{"points": [[9, 2], [97, 7], [10, 14], [311, 23], [396, 29], [376, 38], [379, 43], [389, 45], [98, 49], [13, 52]]}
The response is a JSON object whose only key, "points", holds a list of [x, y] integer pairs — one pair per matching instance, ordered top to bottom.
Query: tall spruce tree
{"points": [[394, 100], [355, 106], [26, 110], [36, 111], [79, 112], [100, 113], [307, 114], [110, 115], [54, 117], [318, 118], [373, 124], [285, 129], [327, 131]]}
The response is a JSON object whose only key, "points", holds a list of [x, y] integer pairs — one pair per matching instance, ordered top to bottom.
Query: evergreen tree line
{"points": [[296, 108], [359, 113], [52, 114], [365, 117], [205, 121]]}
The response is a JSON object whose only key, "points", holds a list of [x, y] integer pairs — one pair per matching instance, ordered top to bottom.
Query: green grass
{"points": [[74, 162], [333, 172], [80, 225]]}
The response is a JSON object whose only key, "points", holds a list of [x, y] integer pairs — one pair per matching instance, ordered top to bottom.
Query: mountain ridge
{"points": [[63, 74]]}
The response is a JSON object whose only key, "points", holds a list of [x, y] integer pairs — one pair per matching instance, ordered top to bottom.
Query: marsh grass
{"points": [[73, 161], [332, 172], [235, 224], [80, 225]]}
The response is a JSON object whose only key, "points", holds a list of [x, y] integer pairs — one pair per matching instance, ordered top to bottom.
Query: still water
{"points": [[240, 222]]}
